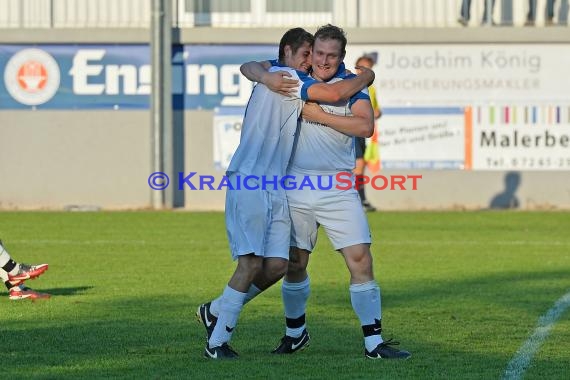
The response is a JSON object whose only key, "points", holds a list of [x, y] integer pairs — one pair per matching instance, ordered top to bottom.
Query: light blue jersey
{"points": [[269, 128], [321, 149], [257, 220]]}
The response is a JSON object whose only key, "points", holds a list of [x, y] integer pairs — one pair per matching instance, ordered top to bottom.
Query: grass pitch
{"points": [[461, 291]]}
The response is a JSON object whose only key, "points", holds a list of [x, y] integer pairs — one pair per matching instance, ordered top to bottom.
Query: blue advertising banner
{"points": [[119, 76]]}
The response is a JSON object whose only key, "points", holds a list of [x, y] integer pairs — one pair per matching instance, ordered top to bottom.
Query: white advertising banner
{"points": [[459, 75], [422, 138], [521, 138]]}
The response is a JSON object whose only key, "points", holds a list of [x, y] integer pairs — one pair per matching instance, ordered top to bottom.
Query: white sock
{"points": [[4, 256], [6, 260], [3, 275], [5, 279], [251, 294], [295, 296], [365, 299], [215, 306], [230, 308]]}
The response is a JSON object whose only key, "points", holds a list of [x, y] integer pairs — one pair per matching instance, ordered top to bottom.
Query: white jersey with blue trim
{"points": [[268, 129], [321, 149]]}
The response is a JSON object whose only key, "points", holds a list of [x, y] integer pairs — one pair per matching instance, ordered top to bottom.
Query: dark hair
{"points": [[331, 32], [295, 38], [365, 58]]}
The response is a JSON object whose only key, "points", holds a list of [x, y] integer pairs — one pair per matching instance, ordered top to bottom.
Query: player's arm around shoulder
{"points": [[254, 70], [278, 80], [341, 90]]}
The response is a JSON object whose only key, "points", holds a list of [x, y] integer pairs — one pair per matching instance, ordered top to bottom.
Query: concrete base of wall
{"points": [[58, 159]]}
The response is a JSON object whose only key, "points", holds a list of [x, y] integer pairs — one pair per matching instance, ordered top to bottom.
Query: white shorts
{"points": [[338, 211], [258, 222]]}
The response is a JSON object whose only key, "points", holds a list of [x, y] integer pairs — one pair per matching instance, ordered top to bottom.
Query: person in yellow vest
{"points": [[367, 61]]}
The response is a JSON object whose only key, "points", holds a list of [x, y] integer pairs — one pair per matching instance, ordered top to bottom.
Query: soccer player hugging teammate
{"points": [[257, 221]]}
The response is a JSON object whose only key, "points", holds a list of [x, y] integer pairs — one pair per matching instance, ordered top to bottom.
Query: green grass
{"points": [[461, 291]]}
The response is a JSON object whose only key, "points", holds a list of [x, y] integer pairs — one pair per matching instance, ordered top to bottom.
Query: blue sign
{"points": [[119, 76]]}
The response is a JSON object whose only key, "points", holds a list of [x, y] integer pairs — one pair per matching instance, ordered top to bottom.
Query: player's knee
{"points": [[358, 259], [298, 261], [363, 263], [250, 266], [256, 267], [294, 268], [276, 269], [297, 269], [362, 269]]}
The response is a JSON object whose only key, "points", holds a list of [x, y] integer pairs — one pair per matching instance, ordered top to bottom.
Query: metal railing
{"points": [[268, 13]]}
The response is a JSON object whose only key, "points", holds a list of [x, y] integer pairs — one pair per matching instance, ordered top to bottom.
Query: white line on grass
{"points": [[521, 361]]}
